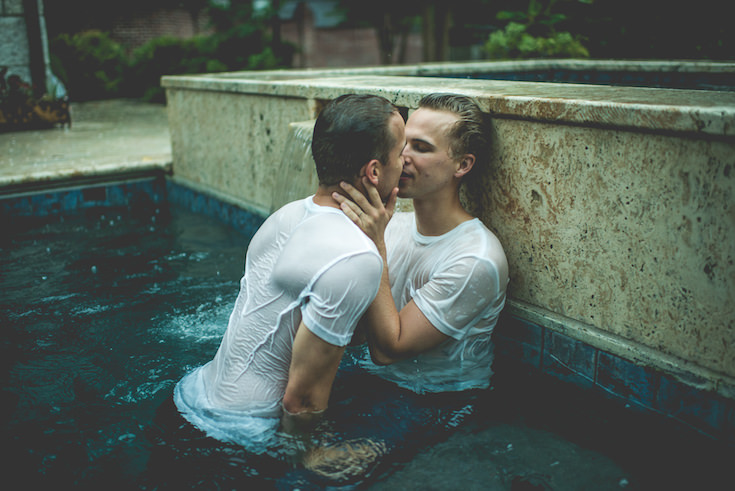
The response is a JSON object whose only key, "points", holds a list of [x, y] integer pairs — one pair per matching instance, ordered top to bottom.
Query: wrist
{"points": [[382, 249]]}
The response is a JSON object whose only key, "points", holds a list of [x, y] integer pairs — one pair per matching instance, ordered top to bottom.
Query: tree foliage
{"points": [[622, 29], [635, 29], [532, 34], [90, 64], [93, 66]]}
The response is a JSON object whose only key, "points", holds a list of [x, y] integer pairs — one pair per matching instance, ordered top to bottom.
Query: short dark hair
{"points": [[350, 131], [471, 132]]}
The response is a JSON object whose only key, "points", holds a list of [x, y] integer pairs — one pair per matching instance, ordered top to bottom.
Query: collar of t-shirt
{"points": [[430, 239]]}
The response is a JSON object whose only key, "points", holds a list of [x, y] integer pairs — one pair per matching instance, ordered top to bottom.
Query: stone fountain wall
{"points": [[616, 205]]}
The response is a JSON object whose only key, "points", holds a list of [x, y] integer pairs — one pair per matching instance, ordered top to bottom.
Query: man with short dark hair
{"points": [[310, 274]]}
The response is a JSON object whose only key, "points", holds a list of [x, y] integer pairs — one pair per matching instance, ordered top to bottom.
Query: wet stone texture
{"points": [[238, 145], [629, 232]]}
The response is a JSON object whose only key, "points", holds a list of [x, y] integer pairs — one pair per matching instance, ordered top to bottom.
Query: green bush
{"points": [[532, 34], [241, 40], [515, 42], [202, 54], [169, 56], [90, 64], [93, 66]]}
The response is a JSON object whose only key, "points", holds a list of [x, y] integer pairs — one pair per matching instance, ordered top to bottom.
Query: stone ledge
{"points": [[662, 110], [28, 181]]}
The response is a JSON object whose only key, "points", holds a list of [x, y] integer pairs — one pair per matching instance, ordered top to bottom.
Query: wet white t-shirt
{"points": [[305, 262], [458, 281]]}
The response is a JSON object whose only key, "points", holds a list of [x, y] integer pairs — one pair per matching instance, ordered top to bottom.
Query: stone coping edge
{"points": [[460, 67], [701, 112], [71, 178]]}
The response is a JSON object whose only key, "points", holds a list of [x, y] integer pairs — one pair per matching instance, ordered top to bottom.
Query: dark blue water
{"points": [[104, 310], [102, 313]]}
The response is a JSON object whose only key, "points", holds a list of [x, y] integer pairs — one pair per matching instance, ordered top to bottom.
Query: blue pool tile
{"points": [[132, 193], [95, 195], [69, 200], [56, 202], [43, 204], [18, 206], [243, 220], [247, 222], [521, 330], [521, 339], [513, 351], [569, 360], [626, 379], [701, 409], [729, 423]]}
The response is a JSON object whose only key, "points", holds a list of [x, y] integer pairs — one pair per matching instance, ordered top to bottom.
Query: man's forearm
{"points": [[383, 321], [394, 335]]}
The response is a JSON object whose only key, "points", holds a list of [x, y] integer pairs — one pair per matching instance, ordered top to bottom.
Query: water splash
{"points": [[297, 174]]}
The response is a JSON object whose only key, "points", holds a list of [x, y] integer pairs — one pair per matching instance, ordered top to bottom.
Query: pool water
{"points": [[104, 310]]}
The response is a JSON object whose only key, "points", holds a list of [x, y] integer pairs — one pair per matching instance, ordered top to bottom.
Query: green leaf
{"points": [[511, 16]]}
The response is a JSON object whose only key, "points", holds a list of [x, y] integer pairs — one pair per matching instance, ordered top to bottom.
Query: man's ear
{"points": [[465, 165], [372, 171]]}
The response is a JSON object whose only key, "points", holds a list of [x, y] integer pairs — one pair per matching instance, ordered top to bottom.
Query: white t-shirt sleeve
{"points": [[458, 295], [339, 296]]}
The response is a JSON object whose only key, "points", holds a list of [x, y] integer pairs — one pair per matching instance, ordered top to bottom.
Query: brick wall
{"points": [[333, 47], [336, 47]]}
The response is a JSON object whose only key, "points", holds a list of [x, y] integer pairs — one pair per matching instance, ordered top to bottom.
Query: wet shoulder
{"points": [[277, 228], [329, 233], [475, 238]]}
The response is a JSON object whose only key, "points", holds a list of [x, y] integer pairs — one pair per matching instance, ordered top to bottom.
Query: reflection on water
{"points": [[104, 312]]}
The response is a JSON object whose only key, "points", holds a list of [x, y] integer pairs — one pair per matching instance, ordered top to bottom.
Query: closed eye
{"points": [[422, 146]]}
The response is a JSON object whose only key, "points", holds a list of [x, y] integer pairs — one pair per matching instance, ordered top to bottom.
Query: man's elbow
{"points": [[382, 357], [297, 401], [294, 404], [298, 417]]}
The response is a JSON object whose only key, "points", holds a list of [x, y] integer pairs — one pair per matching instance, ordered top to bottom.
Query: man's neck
{"points": [[323, 195], [439, 214]]}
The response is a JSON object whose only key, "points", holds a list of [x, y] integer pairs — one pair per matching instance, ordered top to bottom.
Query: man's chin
{"points": [[403, 193]]}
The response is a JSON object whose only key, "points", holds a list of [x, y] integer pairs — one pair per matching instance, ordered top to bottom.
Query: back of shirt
{"points": [[306, 262]]}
